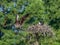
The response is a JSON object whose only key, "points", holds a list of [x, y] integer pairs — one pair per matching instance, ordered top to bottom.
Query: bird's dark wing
{"points": [[23, 18]]}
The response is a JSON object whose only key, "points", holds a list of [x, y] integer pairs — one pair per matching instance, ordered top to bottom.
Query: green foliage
{"points": [[47, 11]]}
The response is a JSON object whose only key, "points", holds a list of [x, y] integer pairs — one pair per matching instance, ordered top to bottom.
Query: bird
{"points": [[19, 22]]}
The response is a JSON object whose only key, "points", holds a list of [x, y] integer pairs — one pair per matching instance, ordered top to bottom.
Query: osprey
{"points": [[18, 23]]}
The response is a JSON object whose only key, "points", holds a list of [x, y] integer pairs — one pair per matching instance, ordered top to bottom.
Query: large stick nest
{"points": [[44, 29]]}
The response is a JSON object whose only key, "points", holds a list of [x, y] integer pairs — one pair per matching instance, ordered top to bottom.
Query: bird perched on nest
{"points": [[42, 29]]}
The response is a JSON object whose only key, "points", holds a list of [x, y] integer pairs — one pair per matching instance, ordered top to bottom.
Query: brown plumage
{"points": [[23, 19], [18, 23]]}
